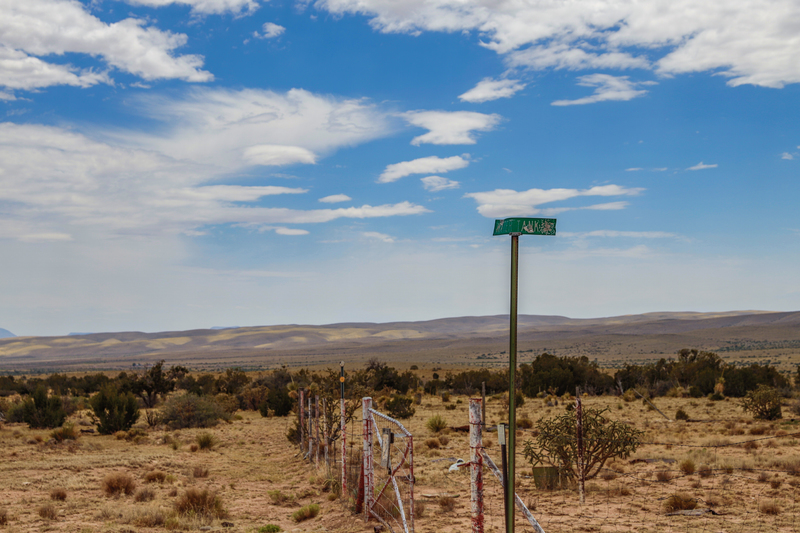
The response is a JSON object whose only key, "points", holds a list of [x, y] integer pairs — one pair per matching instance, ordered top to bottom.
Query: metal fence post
{"points": [[301, 411], [316, 423], [310, 428], [579, 431], [344, 433], [476, 463], [369, 489]]}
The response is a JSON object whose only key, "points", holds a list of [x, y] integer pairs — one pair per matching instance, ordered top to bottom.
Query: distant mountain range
{"points": [[4, 333], [451, 342]]}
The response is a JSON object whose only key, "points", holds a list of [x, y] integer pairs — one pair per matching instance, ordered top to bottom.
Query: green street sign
{"points": [[525, 226]]}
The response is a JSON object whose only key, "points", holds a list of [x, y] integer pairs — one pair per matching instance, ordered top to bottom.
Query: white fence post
{"points": [[476, 463], [369, 489]]}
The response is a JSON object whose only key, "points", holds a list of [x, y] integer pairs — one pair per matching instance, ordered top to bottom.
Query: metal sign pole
{"points": [[516, 227]]}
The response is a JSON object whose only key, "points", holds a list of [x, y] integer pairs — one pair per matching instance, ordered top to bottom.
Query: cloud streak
{"points": [[607, 88], [490, 89], [446, 127], [423, 165]]}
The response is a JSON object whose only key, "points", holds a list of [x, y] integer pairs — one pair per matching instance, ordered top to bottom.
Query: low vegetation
{"points": [[306, 512]]}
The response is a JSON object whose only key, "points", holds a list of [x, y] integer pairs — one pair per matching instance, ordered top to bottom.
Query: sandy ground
{"points": [[751, 483]]}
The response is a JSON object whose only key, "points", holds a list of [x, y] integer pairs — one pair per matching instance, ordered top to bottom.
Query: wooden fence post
{"points": [[301, 411], [579, 431], [476, 463], [369, 489]]}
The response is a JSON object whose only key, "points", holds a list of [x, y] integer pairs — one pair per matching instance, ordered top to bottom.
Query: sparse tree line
{"points": [[187, 399]]}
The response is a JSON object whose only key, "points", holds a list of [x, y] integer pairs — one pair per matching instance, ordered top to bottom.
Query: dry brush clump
{"points": [[206, 441], [199, 472], [155, 476], [118, 483], [58, 494], [145, 494], [196, 502], [680, 502], [447, 503], [769, 507], [48, 511], [306, 513], [3, 516]]}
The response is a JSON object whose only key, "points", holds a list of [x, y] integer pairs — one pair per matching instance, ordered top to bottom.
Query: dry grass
{"points": [[206, 441], [687, 467], [705, 471], [199, 472], [155, 476], [664, 476], [118, 483], [58, 494], [145, 494], [278, 497], [198, 502], [680, 502], [447, 503], [770, 507], [48, 511], [305, 513], [3, 517]]}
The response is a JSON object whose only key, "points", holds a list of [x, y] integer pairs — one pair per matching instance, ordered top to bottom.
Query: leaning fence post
{"points": [[301, 411], [316, 423], [343, 431], [579, 431], [476, 463], [369, 490]]}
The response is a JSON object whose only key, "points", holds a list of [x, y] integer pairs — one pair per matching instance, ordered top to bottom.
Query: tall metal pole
{"points": [[512, 380], [344, 432]]}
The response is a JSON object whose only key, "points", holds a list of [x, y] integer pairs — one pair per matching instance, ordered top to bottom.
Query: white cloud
{"points": [[205, 7], [55, 27], [270, 30], [748, 41], [607, 87], [489, 89], [218, 127], [447, 127], [276, 155], [787, 155], [423, 165], [701, 166], [633, 169], [438, 183], [98, 184], [335, 198], [506, 202], [290, 231], [627, 234], [378, 236], [46, 237]]}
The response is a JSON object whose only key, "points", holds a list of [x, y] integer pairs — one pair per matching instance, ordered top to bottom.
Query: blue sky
{"points": [[184, 164]]}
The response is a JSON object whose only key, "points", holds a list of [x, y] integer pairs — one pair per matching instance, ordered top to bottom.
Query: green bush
{"points": [[764, 403], [399, 406], [43, 411], [114, 411], [191, 411], [680, 414], [436, 423], [65, 432], [603, 439], [206, 441], [304, 513], [269, 528]]}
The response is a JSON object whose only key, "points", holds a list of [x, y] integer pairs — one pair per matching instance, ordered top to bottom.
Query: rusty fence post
{"points": [[301, 406], [316, 423], [310, 428], [343, 430], [579, 432], [476, 463], [369, 489]]}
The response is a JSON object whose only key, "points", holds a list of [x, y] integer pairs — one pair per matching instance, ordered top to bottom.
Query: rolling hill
{"points": [[448, 342]]}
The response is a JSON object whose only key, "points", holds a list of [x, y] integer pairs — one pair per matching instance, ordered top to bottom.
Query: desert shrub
{"points": [[629, 396], [445, 397], [228, 402], [764, 403], [400, 406], [450, 407], [41, 410], [190, 410], [115, 411], [680, 414], [152, 417], [436, 423], [525, 423], [758, 430], [65, 432], [603, 439], [443, 440], [206, 441], [433, 444], [687, 467], [705, 471], [199, 472], [155, 476], [664, 476], [118, 483], [775, 484], [58, 494], [145, 494], [278, 497], [198, 502], [680, 502], [447, 503], [769, 507], [48, 511], [305, 513], [3, 517], [269, 528]]}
